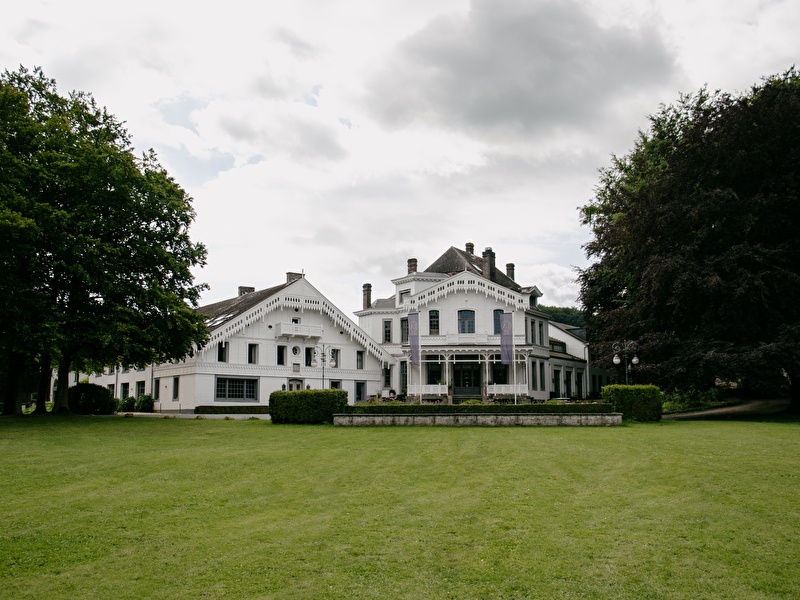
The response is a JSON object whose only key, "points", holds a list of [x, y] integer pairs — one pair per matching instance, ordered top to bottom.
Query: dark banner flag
{"points": [[413, 336], [506, 338]]}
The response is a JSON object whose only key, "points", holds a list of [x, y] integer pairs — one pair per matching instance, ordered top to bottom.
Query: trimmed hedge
{"points": [[90, 399], [635, 402], [306, 406], [247, 409], [411, 409]]}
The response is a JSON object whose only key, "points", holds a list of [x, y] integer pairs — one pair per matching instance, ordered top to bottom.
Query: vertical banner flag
{"points": [[413, 336], [506, 339]]}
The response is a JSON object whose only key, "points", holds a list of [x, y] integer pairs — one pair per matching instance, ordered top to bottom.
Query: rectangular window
{"points": [[466, 321], [433, 322], [404, 331], [387, 332], [533, 332], [541, 334], [222, 352], [252, 354], [335, 355], [309, 356], [281, 357], [359, 359], [499, 372], [434, 373], [403, 374], [387, 376], [542, 381], [557, 382], [534, 384], [579, 384], [336, 385], [110, 387], [175, 387], [139, 388], [156, 388], [229, 388], [126, 390]]}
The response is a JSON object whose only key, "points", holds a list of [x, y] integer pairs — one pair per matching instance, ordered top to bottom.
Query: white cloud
{"points": [[342, 138]]}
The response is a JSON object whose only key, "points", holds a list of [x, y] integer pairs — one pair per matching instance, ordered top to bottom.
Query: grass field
{"points": [[119, 508]]}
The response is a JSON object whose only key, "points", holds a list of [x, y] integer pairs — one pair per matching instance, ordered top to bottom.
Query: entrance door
{"points": [[467, 380], [295, 385]]}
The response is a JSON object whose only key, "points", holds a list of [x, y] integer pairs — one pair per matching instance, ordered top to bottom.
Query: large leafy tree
{"points": [[696, 239], [96, 253]]}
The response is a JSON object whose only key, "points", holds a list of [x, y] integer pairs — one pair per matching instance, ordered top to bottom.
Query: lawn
{"points": [[106, 507]]}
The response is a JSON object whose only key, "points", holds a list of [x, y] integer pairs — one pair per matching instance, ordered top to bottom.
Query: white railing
{"points": [[297, 330], [496, 388], [427, 390]]}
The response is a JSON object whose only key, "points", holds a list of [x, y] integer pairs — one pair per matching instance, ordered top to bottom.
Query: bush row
{"points": [[635, 402], [143, 403], [306, 406], [248, 409], [405, 409]]}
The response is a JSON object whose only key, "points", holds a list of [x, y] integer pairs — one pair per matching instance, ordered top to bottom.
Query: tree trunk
{"points": [[45, 380], [794, 390], [12, 394], [61, 399]]}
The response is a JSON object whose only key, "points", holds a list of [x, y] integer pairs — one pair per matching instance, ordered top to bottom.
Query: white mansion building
{"points": [[291, 337]]}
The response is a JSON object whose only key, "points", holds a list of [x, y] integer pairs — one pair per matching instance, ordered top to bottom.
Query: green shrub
{"points": [[90, 399], [691, 399], [472, 402], [635, 402], [144, 403], [126, 404], [307, 406], [411, 409]]}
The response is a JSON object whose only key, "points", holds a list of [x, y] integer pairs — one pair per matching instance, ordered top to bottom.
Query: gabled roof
{"points": [[455, 260], [221, 312], [573, 330]]}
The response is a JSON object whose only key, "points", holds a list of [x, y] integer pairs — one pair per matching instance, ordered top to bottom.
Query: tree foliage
{"points": [[695, 240], [96, 253], [568, 315]]}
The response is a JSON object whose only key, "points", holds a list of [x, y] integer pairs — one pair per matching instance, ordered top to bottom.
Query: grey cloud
{"points": [[298, 46], [515, 68], [178, 111], [303, 140]]}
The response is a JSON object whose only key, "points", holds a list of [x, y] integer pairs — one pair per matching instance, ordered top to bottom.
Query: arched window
{"points": [[497, 313], [466, 321], [433, 322]]}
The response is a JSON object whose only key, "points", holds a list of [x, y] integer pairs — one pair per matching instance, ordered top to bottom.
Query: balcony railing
{"points": [[297, 330], [507, 389], [427, 390]]}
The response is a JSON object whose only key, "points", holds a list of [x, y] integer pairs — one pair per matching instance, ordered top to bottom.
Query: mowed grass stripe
{"points": [[170, 508]]}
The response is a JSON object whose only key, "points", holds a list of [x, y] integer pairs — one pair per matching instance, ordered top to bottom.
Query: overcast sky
{"points": [[342, 137]]}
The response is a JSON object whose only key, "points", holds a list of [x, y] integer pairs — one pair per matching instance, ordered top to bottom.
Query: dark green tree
{"points": [[695, 241], [97, 256], [568, 315]]}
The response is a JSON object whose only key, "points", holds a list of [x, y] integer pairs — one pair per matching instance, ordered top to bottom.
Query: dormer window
{"points": [[404, 295]]}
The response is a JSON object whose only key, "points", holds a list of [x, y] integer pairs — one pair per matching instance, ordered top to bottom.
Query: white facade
{"points": [[458, 300], [283, 338]]}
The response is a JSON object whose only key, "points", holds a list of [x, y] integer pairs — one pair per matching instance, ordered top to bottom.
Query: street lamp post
{"points": [[627, 347], [325, 358]]}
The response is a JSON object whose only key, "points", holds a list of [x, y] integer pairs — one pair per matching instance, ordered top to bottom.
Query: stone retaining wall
{"points": [[482, 420]]}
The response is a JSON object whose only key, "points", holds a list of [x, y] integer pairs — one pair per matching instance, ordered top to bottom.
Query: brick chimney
{"points": [[470, 248], [488, 262], [412, 265], [510, 271], [290, 277], [246, 289], [367, 295]]}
